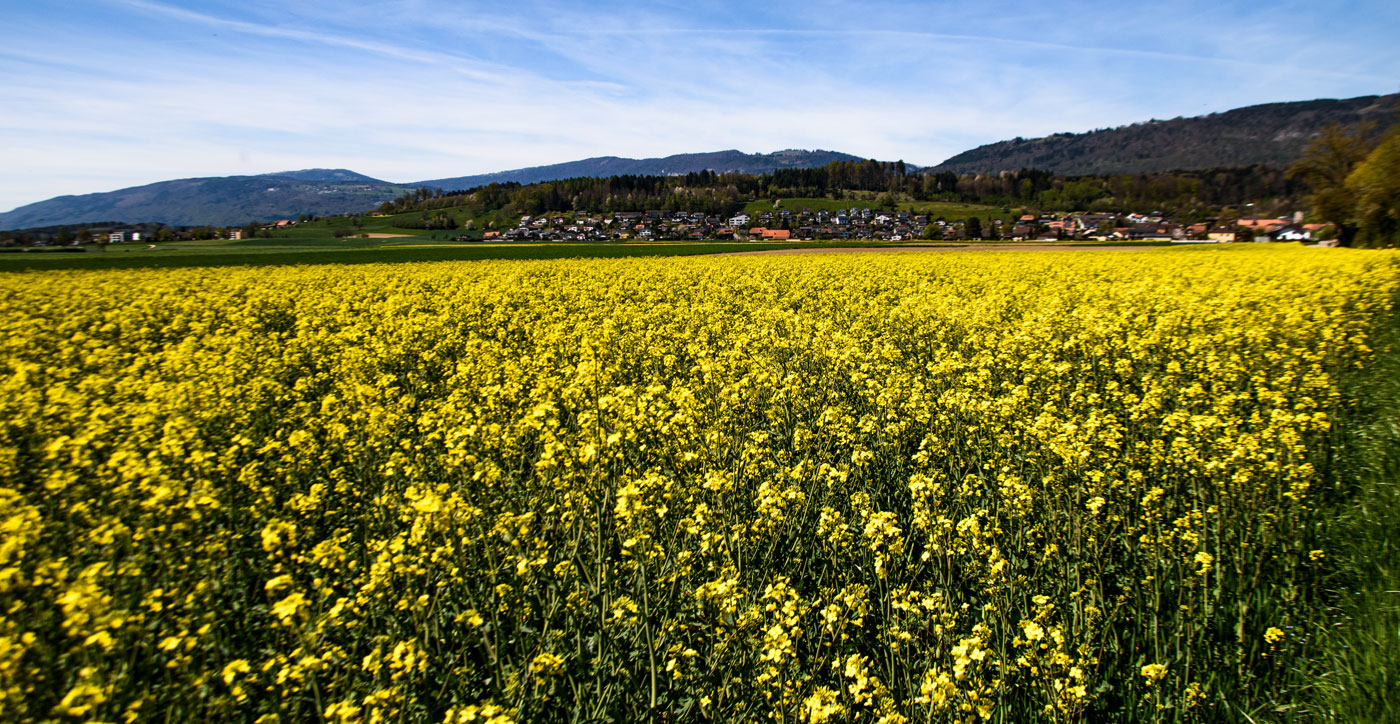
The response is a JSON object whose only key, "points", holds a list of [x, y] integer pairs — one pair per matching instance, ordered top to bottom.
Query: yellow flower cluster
{"points": [[877, 488]]}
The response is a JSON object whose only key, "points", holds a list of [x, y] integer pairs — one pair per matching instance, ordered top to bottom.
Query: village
{"points": [[781, 225], [892, 225]]}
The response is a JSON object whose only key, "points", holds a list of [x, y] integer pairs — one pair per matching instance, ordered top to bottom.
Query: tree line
{"points": [[1187, 195]]}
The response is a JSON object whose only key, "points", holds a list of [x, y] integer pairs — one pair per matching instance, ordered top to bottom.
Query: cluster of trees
{"points": [[1355, 182], [703, 192], [1185, 195], [410, 201], [429, 221], [249, 230]]}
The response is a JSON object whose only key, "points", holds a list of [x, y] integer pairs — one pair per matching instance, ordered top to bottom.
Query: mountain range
{"points": [[1272, 134], [603, 166], [232, 200], [215, 201]]}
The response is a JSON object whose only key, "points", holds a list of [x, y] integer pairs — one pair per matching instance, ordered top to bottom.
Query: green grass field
{"points": [[754, 208], [949, 210], [321, 231], [421, 249], [407, 250]]}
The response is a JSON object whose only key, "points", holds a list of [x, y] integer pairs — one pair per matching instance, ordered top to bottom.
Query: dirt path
{"points": [[969, 247]]}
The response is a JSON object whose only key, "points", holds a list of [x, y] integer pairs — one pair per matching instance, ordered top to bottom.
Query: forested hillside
{"points": [[1273, 133]]}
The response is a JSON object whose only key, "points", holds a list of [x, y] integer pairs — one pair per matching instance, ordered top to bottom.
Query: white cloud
{"points": [[147, 90]]}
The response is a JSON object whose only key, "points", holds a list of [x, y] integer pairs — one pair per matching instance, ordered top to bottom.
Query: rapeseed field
{"points": [[1066, 486]]}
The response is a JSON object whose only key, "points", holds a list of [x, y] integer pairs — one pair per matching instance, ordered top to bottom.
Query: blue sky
{"points": [[103, 94]]}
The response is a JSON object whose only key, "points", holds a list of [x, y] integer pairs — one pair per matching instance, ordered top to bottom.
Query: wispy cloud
{"points": [[453, 62], [108, 93]]}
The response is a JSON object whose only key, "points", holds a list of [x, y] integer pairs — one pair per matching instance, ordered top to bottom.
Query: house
{"points": [[739, 220], [1263, 226], [1291, 232], [1148, 233], [1221, 233], [777, 234]]}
